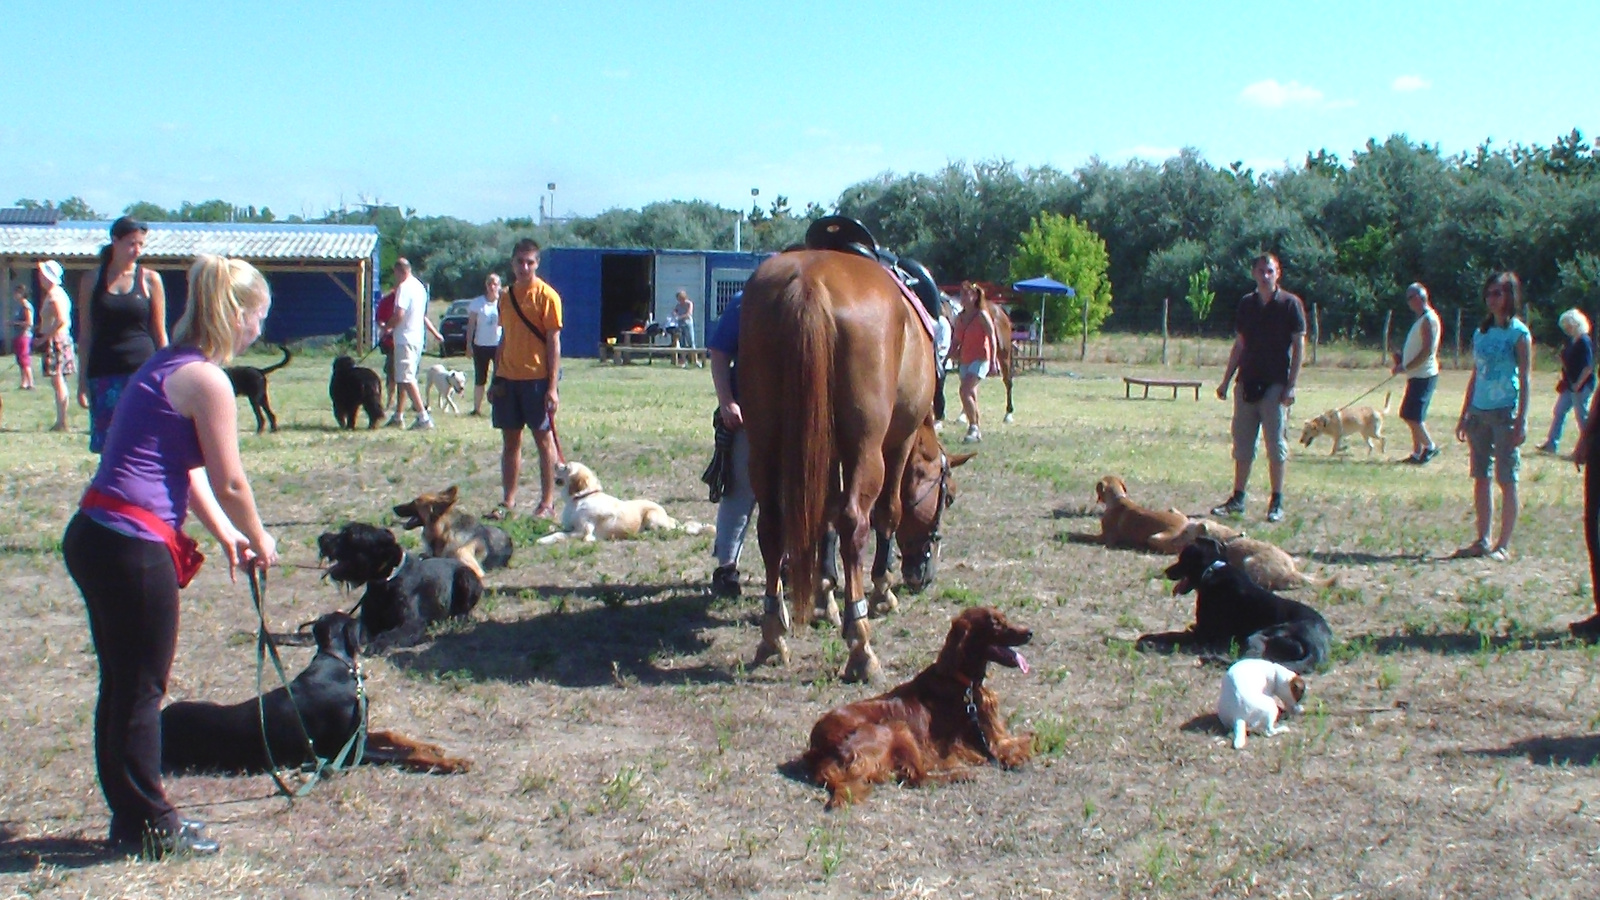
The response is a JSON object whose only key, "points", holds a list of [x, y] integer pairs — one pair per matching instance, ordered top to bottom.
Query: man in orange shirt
{"points": [[527, 372]]}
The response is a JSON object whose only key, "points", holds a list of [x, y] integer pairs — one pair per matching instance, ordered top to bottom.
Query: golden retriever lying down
{"points": [[591, 514], [1268, 565]]}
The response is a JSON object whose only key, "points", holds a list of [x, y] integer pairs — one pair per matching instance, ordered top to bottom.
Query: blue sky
{"points": [[470, 108]]}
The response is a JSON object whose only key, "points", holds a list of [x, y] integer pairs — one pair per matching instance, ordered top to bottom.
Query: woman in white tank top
{"points": [[1419, 360]]}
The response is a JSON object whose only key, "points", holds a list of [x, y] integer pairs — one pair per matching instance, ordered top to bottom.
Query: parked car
{"points": [[454, 328]]}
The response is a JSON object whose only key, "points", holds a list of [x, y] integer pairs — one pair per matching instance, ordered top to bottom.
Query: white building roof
{"points": [[184, 240]]}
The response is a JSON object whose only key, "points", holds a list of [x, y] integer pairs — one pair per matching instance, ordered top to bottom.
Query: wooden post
{"points": [[1164, 302], [1388, 320], [1316, 331], [1458, 337], [1083, 348]]}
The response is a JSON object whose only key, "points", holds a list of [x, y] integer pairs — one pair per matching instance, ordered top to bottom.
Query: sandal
{"points": [[544, 512], [501, 513], [1474, 550], [1499, 554]]}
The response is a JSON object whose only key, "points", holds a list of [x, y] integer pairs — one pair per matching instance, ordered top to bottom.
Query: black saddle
{"points": [[846, 235]]}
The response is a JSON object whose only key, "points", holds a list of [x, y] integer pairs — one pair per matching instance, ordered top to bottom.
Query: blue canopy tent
{"points": [[1044, 284]]}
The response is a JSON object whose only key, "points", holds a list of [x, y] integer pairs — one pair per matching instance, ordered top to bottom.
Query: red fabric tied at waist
{"points": [[186, 556]]}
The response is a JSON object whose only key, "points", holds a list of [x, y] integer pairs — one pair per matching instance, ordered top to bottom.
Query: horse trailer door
{"points": [[685, 272]]}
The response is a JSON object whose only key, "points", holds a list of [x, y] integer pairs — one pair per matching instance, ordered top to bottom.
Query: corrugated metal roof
{"points": [[16, 215], [183, 240]]}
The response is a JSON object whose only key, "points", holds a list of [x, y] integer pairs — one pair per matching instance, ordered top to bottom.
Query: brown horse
{"points": [[1004, 330], [836, 382]]}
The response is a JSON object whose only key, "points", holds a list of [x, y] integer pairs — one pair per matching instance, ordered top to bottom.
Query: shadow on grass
{"points": [[39, 549], [1358, 558], [621, 639], [1462, 643], [1205, 723], [1575, 750], [19, 855]]}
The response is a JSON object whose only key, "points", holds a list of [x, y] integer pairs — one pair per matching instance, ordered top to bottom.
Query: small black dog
{"points": [[251, 383], [354, 387], [405, 594], [1230, 609], [216, 738]]}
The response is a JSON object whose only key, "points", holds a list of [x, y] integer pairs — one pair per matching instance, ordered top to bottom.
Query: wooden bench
{"points": [[1025, 351], [623, 354], [1176, 384]]}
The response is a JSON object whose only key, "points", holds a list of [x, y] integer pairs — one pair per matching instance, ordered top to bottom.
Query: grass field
{"points": [[624, 747]]}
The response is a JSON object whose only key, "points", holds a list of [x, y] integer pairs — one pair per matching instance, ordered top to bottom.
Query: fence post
{"points": [[1164, 302], [1388, 320], [1316, 330], [1458, 337], [1083, 349]]}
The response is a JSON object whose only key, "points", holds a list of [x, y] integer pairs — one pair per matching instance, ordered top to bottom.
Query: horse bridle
{"points": [[945, 500]]}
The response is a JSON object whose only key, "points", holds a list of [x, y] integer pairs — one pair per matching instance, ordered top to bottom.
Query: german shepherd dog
{"points": [[250, 383], [449, 533]]}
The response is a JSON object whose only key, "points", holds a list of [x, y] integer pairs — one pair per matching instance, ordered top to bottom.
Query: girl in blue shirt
{"points": [[1494, 418]]}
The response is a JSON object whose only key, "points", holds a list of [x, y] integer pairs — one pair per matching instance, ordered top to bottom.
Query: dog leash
{"points": [[1370, 390], [353, 749]]}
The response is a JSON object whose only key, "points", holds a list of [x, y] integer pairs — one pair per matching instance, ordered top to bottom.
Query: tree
{"points": [[72, 208], [1070, 252], [1200, 296]]}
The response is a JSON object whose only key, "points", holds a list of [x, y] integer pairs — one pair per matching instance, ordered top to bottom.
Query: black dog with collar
{"points": [[405, 593], [1231, 611], [211, 737]]}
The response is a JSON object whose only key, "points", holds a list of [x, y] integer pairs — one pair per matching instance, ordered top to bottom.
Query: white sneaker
{"points": [[395, 422], [423, 424], [973, 436]]}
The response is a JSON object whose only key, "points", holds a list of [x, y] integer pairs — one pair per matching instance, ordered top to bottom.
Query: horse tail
{"points": [[807, 438]]}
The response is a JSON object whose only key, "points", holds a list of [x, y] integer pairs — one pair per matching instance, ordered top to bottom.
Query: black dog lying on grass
{"points": [[250, 383], [353, 388], [405, 593], [1232, 611], [211, 737]]}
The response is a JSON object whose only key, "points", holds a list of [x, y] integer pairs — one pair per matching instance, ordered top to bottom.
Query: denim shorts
{"points": [[978, 370], [1419, 394], [1489, 439]]}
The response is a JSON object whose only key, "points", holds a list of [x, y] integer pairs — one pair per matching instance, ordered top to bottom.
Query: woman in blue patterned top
{"points": [[1494, 416]]}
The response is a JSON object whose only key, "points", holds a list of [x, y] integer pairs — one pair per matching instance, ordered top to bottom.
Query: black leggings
{"points": [[481, 358], [131, 590]]}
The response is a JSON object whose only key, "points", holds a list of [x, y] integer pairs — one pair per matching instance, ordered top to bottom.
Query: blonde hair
{"points": [[220, 291], [1574, 322]]}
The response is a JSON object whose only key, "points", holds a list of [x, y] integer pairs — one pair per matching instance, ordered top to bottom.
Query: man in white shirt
{"points": [[411, 326]]}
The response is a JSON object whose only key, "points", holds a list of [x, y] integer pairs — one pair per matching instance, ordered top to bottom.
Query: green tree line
{"points": [[1351, 231]]}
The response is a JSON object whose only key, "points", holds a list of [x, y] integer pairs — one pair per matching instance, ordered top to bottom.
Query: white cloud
{"points": [[1406, 84], [1272, 95], [1152, 153]]}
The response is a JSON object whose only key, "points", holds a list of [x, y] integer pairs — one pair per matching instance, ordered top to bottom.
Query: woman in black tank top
{"points": [[120, 324]]}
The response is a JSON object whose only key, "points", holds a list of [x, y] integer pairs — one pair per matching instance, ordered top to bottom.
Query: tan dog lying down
{"points": [[1339, 423], [592, 514], [1127, 524], [1266, 564]]}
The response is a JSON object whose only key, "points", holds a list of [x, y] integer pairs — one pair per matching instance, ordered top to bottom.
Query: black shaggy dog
{"points": [[250, 383], [353, 388], [405, 594], [1230, 610], [211, 737]]}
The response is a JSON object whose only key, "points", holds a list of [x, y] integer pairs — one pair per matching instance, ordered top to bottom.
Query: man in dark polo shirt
{"points": [[1269, 343]]}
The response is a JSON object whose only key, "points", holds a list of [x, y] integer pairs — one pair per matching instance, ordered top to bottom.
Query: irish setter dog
{"points": [[934, 727]]}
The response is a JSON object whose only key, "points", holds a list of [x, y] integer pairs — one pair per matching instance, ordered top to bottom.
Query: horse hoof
{"points": [[1009, 418], [883, 603], [828, 610], [765, 651], [862, 667]]}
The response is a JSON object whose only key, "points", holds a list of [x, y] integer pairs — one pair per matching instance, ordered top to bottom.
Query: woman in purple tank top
{"points": [[172, 448]]}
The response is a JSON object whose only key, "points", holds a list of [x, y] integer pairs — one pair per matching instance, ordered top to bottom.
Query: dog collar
{"points": [[580, 496], [404, 558], [1215, 566]]}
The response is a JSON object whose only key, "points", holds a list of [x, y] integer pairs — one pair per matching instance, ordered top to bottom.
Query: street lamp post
{"points": [[552, 188], [754, 192]]}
